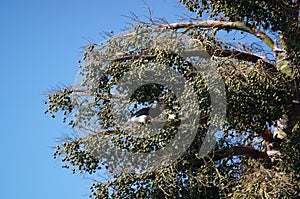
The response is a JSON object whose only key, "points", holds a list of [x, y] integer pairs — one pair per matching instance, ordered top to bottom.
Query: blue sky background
{"points": [[40, 46]]}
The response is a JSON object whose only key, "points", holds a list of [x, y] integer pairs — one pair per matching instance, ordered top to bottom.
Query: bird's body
{"points": [[143, 111], [144, 115], [141, 116], [140, 119], [273, 146]]}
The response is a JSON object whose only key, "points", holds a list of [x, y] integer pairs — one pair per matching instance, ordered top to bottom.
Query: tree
{"points": [[253, 46]]}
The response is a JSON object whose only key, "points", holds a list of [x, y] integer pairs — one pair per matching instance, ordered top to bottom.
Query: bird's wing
{"points": [[143, 111]]}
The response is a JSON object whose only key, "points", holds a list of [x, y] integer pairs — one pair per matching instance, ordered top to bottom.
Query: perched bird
{"points": [[145, 114], [141, 116], [278, 133], [273, 146]]}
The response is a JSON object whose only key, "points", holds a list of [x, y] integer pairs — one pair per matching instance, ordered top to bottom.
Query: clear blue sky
{"points": [[40, 45]]}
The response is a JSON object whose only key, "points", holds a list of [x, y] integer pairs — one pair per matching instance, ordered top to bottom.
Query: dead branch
{"points": [[222, 25], [234, 53], [241, 55]]}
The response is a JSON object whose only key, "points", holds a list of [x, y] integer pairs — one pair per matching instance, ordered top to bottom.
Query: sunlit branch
{"points": [[222, 25]]}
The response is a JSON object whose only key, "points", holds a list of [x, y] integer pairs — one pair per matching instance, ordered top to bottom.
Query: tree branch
{"points": [[222, 25], [235, 53], [241, 55], [133, 57], [266, 135], [240, 150], [227, 153]]}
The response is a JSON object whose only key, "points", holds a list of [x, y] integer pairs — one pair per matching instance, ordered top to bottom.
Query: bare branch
{"points": [[222, 25], [234, 53], [241, 55], [128, 57], [266, 135], [240, 150], [230, 152]]}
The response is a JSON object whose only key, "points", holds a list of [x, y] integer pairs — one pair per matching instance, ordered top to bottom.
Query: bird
{"points": [[145, 114], [141, 116], [278, 133], [273, 146]]}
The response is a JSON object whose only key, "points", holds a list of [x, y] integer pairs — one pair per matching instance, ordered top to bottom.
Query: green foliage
{"points": [[267, 14], [279, 17], [257, 92], [254, 95], [59, 101], [74, 156], [259, 182]]}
